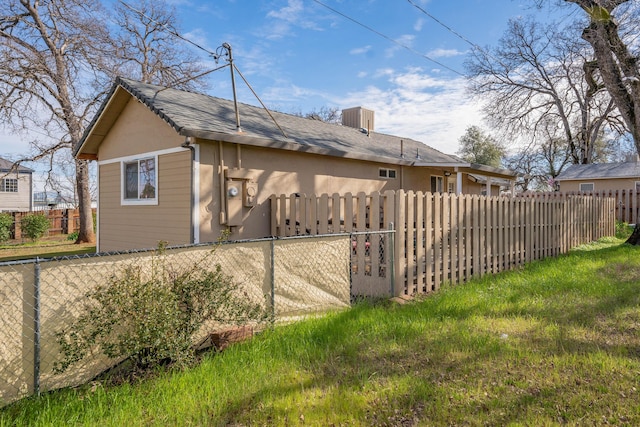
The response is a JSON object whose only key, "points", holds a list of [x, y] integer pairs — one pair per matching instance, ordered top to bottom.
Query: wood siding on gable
{"points": [[137, 130], [20, 200], [135, 227]]}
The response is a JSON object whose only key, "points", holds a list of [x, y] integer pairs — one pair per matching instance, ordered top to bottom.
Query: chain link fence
{"points": [[290, 277]]}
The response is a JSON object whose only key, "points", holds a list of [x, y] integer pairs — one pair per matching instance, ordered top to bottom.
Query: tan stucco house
{"points": [[181, 166], [600, 177], [16, 187]]}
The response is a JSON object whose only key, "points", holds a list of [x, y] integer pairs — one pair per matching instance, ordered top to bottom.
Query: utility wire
{"points": [[168, 28], [451, 30], [388, 38]]}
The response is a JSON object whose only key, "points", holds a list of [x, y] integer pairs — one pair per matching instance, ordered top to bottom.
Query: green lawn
{"points": [[46, 247], [555, 343]]}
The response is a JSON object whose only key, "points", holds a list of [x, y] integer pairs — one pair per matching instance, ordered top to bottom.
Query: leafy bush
{"points": [[6, 221], [34, 226], [623, 230], [73, 236], [150, 313]]}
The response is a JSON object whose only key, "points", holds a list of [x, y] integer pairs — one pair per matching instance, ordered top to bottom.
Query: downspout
{"points": [[187, 144], [223, 201]]}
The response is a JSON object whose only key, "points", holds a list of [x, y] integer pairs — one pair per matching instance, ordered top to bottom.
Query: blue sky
{"points": [[299, 56]]}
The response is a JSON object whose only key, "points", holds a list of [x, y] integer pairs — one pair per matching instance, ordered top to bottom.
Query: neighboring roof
{"points": [[207, 117], [7, 166], [600, 171]]}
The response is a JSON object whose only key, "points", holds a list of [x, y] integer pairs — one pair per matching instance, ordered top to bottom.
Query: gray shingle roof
{"points": [[208, 117], [6, 165], [600, 171]]}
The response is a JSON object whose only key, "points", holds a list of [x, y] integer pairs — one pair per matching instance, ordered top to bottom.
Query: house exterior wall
{"points": [[137, 130], [139, 133], [286, 172], [599, 184], [20, 200]]}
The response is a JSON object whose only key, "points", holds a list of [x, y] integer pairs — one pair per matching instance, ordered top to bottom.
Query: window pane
{"points": [[383, 173], [392, 173], [147, 179], [131, 180], [9, 185]]}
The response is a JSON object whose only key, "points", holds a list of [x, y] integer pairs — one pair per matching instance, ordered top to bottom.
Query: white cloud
{"points": [[287, 17], [418, 25], [405, 40], [360, 50], [444, 53], [420, 106]]}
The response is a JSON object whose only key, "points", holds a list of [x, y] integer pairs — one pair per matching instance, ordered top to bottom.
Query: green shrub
{"points": [[6, 221], [34, 226], [623, 230], [73, 236], [151, 312]]}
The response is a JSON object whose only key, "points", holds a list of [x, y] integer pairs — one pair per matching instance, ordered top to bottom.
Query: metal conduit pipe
{"points": [[187, 144], [223, 208]]}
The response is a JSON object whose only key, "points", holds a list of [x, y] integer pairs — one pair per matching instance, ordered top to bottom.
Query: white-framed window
{"points": [[387, 173], [140, 181], [437, 183], [9, 185], [586, 186], [637, 186]]}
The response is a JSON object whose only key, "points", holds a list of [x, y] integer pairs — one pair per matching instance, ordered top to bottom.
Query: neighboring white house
{"points": [[16, 187]]}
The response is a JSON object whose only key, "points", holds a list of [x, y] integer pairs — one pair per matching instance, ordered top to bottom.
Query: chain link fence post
{"points": [[392, 261], [273, 279], [36, 328]]}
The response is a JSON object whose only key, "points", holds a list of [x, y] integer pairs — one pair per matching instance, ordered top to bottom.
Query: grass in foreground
{"points": [[557, 342]]}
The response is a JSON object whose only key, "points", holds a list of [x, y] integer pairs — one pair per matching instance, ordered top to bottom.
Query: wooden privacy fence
{"points": [[627, 202], [63, 221], [445, 237]]}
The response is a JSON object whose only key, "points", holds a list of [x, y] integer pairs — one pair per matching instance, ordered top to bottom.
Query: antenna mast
{"points": [[229, 54]]}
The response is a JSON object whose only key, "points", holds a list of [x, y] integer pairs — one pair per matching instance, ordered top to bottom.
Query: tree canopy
{"points": [[58, 58], [478, 147]]}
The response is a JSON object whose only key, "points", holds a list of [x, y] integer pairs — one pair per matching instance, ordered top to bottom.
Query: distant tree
{"points": [[146, 49], [615, 66], [534, 86], [324, 114], [478, 147]]}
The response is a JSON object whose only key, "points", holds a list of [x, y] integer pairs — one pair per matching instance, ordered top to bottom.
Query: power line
{"points": [[168, 28], [451, 30], [388, 38]]}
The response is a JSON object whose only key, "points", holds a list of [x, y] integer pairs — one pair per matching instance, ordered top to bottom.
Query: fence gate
{"points": [[372, 259]]}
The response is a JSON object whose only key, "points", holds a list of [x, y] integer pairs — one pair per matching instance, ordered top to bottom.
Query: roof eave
{"points": [[257, 141]]}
